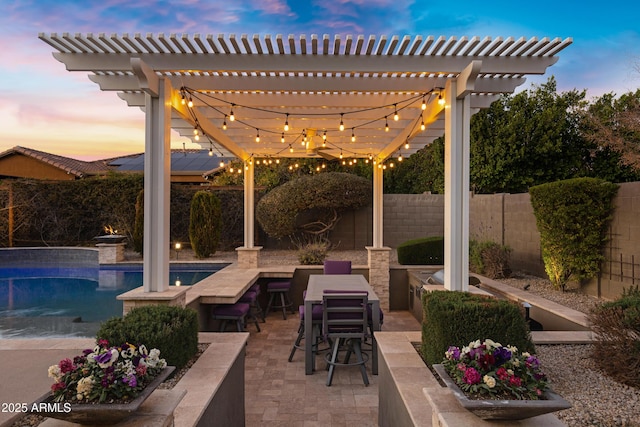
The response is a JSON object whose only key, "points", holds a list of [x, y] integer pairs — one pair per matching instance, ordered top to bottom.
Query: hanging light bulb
{"points": [[440, 99], [184, 101], [190, 103], [424, 104], [232, 117], [396, 117], [341, 121], [224, 123], [286, 123], [386, 124], [422, 125], [257, 135], [324, 135], [353, 136], [197, 137], [282, 138], [406, 146], [290, 148], [211, 152], [341, 154], [400, 157], [277, 161], [355, 161], [221, 163], [324, 165], [391, 165], [231, 169], [240, 170]]}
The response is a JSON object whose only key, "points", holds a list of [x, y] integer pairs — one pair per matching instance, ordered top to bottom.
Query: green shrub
{"points": [[311, 204], [572, 218], [205, 223], [138, 226], [424, 251], [313, 253], [489, 259], [457, 318], [617, 325], [172, 330]]}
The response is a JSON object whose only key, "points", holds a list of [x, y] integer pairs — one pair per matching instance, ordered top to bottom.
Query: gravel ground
{"points": [[597, 399]]}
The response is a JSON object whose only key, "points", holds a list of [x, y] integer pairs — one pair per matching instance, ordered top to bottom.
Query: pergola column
{"points": [[157, 173], [456, 189], [249, 255], [378, 255]]}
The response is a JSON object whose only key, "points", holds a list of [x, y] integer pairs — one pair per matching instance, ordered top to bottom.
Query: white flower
{"points": [[475, 344], [491, 344], [512, 349], [526, 354], [154, 361], [516, 362], [510, 371], [54, 372], [490, 381], [84, 387]]}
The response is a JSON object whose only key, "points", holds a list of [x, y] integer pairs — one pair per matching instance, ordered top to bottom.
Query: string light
{"points": [[440, 99], [190, 103], [424, 104], [232, 117], [396, 117], [341, 122], [286, 123], [386, 124], [422, 125], [257, 135], [324, 135], [353, 135], [282, 138], [406, 145], [290, 148], [211, 152], [340, 154], [400, 157], [221, 163]]}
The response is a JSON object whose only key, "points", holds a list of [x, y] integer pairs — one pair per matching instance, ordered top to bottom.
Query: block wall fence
{"points": [[507, 219]]}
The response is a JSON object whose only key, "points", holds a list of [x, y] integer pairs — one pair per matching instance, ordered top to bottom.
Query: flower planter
{"points": [[489, 409], [97, 413]]}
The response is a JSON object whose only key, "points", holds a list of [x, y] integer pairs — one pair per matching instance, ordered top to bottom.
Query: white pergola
{"points": [[313, 84]]}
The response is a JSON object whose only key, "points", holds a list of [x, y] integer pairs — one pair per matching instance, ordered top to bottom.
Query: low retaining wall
{"points": [[52, 256]]}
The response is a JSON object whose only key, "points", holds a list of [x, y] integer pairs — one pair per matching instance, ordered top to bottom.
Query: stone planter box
{"points": [[409, 394]]}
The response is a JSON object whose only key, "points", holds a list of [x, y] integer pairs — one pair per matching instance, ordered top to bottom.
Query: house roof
{"points": [[311, 82], [193, 162], [78, 168]]}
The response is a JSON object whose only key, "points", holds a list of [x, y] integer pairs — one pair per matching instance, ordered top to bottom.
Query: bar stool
{"points": [[256, 288], [281, 289], [251, 297], [236, 312], [317, 336]]}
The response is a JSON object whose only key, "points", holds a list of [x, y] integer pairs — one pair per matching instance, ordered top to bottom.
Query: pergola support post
{"points": [[157, 173], [456, 189], [249, 255], [378, 255]]}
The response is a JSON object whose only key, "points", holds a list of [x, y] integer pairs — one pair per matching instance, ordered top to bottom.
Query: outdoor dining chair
{"points": [[337, 267], [345, 323]]}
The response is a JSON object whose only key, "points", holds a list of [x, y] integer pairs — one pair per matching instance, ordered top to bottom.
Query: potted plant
{"points": [[498, 382], [103, 385]]}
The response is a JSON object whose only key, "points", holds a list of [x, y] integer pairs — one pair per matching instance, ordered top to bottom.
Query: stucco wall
{"points": [[509, 219]]}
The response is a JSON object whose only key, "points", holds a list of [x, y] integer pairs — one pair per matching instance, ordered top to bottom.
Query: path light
{"points": [[177, 247], [178, 282]]}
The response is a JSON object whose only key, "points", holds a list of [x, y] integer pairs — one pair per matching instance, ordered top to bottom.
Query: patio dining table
{"points": [[318, 283]]}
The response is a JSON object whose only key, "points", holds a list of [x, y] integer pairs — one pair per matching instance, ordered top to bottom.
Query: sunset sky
{"points": [[45, 107]]}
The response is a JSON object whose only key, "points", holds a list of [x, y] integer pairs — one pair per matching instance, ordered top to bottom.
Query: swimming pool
{"points": [[73, 301]]}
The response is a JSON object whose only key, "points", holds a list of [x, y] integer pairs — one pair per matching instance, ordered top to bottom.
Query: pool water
{"points": [[72, 302]]}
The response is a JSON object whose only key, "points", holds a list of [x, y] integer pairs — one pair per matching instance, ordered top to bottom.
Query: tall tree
{"points": [[530, 138]]}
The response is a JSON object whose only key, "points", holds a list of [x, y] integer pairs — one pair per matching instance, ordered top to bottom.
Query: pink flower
{"points": [[66, 365], [502, 374], [471, 376], [515, 381]]}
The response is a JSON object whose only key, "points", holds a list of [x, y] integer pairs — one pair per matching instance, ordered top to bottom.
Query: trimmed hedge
{"points": [[572, 217], [205, 223], [424, 251], [458, 318], [172, 330]]}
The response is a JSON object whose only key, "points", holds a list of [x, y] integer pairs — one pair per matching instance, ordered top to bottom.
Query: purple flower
{"points": [[453, 353], [502, 355], [532, 362], [130, 380]]}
